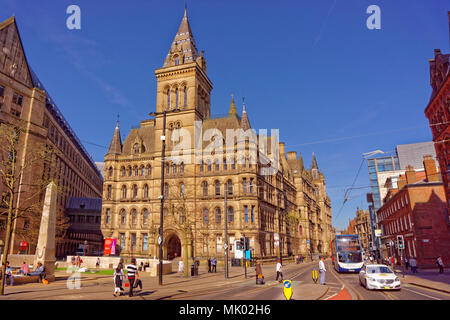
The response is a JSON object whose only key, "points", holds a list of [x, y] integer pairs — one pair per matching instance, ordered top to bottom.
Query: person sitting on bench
{"points": [[40, 271]]}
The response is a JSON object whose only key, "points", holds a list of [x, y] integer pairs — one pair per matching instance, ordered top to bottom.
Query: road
{"points": [[335, 283]]}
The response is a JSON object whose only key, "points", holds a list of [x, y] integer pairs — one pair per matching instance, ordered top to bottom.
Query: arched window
{"points": [[177, 60], [185, 97], [168, 98], [177, 98], [136, 148], [243, 162], [233, 163], [209, 165], [202, 166], [174, 167], [182, 167], [167, 168], [142, 170], [149, 170], [123, 171], [130, 171], [136, 171], [110, 172], [244, 184], [230, 187], [205, 188], [217, 188], [182, 190], [135, 191], [146, 191], [109, 192], [124, 192], [230, 214], [108, 216], [123, 216], [181, 216], [205, 216], [218, 216], [133, 217], [145, 217]]}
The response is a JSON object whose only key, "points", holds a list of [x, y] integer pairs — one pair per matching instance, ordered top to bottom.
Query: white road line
{"points": [[422, 294]]}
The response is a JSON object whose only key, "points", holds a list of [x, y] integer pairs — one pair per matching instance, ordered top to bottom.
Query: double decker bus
{"points": [[347, 253]]}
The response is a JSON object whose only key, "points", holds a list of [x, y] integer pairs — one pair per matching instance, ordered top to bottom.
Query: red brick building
{"points": [[438, 113], [416, 209]]}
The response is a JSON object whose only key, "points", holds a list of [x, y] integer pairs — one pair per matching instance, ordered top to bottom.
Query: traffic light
{"points": [[242, 240], [245, 243], [400, 244]]}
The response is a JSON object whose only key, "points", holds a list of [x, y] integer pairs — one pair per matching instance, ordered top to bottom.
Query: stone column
{"points": [[45, 250]]}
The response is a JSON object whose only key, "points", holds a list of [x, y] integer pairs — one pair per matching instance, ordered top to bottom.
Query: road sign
{"points": [[160, 240], [225, 246], [287, 289]]}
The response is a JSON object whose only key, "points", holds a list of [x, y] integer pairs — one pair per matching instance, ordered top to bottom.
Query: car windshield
{"points": [[350, 257], [378, 269]]}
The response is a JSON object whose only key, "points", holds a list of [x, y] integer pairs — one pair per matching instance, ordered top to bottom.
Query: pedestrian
{"points": [[73, 260], [406, 263], [97, 264], [209, 264], [413, 264], [440, 264], [214, 265], [180, 266], [24, 269], [322, 270], [39, 271], [279, 271], [8, 274], [259, 274], [133, 276], [118, 280]]}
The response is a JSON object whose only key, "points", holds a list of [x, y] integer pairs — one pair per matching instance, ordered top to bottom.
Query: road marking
{"points": [[422, 294]]}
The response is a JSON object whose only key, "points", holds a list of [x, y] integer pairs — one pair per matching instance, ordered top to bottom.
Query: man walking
{"points": [[209, 264], [413, 264], [214, 265], [322, 270], [279, 272], [132, 274]]}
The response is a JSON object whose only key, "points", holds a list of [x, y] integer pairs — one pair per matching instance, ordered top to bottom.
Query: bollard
{"points": [[315, 276], [287, 289]]}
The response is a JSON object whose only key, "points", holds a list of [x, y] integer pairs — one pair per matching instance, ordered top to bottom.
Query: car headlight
{"points": [[371, 279]]}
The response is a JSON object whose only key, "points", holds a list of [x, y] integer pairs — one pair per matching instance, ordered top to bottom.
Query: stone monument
{"points": [[45, 250]]}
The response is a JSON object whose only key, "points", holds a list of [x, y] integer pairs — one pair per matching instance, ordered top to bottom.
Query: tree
{"points": [[22, 183]]}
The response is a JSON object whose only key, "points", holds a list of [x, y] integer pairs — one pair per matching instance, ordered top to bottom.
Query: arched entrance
{"points": [[173, 247]]}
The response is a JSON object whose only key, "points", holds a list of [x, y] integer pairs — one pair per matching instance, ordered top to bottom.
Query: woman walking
{"points": [[118, 280]]}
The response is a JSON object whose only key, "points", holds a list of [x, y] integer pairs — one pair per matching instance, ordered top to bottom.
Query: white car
{"points": [[378, 276]]}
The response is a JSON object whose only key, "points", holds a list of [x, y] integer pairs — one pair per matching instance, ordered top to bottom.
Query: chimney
{"points": [[281, 147], [292, 155], [430, 168], [410, 175], [401, 182]]}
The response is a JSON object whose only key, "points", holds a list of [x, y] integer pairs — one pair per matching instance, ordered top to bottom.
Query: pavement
{"points": [[427, 278], [175, 285]]}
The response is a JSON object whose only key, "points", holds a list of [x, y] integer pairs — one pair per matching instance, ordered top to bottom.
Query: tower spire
{"points": [[183, 45], [233, 110], [245, 123], [115, 147], [314, 162]]}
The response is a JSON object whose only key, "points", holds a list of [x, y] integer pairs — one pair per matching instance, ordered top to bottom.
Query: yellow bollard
{"points": [[315, 276], [287, 289]]}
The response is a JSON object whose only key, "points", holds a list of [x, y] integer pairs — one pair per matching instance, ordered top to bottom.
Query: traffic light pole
{"points": [[161, 215], [226, 232], [245, 258]]}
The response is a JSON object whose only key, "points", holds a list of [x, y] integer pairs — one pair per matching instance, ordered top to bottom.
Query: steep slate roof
{"points": [[184, 41], [143, 135], [115, 147]]}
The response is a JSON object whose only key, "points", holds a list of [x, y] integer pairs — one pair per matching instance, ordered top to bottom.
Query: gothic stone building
{"points": [[24, 99], [288, 209]]}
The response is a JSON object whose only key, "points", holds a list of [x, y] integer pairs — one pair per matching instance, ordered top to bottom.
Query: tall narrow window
{"points": [[177, 60], [185, 97], [168, 98], [177, 98], [217, 165], [174, 166], [201, 166], [182, 167], [149, 170], [142, 171], [110, 172], [244, 185], [251, 185], [230, 187], [205, 188], [217, 188], [166, 190], [182, 190], [135, 191], [146, 191], [109, 192], [124, 192], [230, 214], [246, 214], [108, 216], [123, 216], [205, 216], [218, 216], [134, 217], [145, 217], [252, 217], [122, 240], [145, 241]]}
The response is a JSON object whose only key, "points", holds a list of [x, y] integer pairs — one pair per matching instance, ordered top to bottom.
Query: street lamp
{"points": [[161, 197], [226, 230]]}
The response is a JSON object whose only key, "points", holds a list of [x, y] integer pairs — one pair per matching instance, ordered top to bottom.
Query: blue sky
{"points": [[310, 68]]}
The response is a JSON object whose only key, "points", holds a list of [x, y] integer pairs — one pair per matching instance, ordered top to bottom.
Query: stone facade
{"points": [[24, 98], [291, 204], [362, 227]]}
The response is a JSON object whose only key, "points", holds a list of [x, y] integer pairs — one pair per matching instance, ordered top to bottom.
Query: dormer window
{"points": [[177, 60], [136, 148]]}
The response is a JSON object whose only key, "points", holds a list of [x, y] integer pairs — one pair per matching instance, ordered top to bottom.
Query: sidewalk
{"points": [[427, 278], [175, 285]]}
